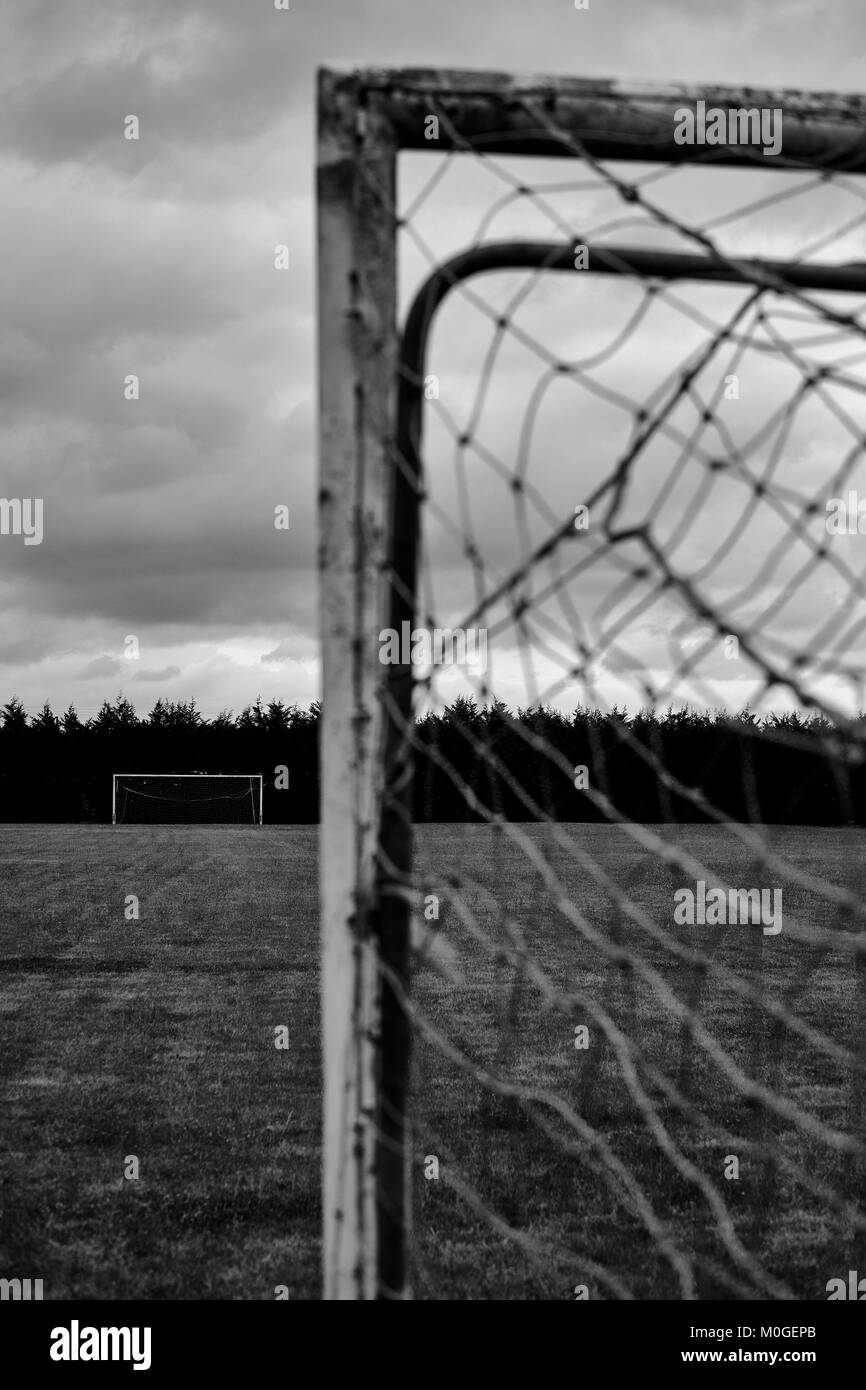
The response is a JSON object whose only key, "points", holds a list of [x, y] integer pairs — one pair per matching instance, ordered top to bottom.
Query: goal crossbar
{"points": [[496, 113]]}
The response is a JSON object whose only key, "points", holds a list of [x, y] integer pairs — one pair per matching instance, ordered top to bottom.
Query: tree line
{"points": [[471, 760]]}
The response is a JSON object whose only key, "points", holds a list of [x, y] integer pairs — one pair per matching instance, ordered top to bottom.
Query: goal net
{"points": [[593, 529], [170, 798]]}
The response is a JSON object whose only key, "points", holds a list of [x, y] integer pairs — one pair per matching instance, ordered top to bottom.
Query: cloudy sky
{"points": [[155, 258]]}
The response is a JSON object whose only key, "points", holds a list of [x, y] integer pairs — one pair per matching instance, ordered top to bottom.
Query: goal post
{"points": [[357, 390], [387, 521], [175, 797]]}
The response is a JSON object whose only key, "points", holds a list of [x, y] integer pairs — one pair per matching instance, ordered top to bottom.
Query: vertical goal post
{"points": [[371, 393]]}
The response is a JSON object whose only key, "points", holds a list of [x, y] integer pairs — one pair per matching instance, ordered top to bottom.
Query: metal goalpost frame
{"points": [[371, 401], [250, 777]]}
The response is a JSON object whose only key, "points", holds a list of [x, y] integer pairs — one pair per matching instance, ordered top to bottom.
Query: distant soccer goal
{"points": [[170, 798]]}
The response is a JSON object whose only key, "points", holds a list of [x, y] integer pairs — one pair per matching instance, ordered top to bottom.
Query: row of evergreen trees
{"points": [[653, 766]]}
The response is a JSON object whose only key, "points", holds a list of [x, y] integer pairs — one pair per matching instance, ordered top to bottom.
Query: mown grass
{"points": [[155, 1038], [511, 1152]]}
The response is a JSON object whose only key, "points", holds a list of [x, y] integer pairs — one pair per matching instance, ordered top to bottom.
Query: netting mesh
{"points": [[638, 481], [166, 800]]}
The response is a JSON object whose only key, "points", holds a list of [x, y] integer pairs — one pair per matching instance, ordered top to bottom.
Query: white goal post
{"points": [[376, 480], [175, 797]]}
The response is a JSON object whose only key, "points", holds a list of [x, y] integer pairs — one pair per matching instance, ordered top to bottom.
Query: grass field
{"points": [[155, 1038]]}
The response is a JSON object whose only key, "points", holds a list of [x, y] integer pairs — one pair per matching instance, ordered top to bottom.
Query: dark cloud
{"points": [[287, 650], [100, 666], [166, 674]]}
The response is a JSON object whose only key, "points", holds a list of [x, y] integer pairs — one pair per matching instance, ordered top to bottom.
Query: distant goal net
{"points": [[593, 546], [175, 798]]}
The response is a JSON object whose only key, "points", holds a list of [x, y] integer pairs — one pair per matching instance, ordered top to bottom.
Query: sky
{"points": [[160, 571]]}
